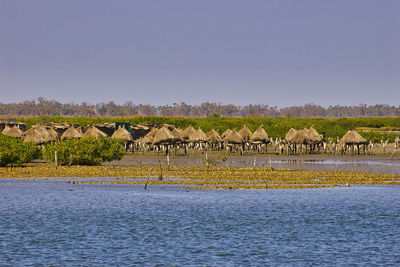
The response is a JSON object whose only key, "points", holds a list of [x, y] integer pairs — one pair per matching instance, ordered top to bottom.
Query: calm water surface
{"points": [[54, 223]]}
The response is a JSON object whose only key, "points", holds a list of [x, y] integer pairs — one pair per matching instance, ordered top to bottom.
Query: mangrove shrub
{"points": [[13, 151], [84, 151]]}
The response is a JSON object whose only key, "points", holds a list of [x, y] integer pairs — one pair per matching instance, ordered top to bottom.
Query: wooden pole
{"points": [[55, 158], [168, 160], [207, 161], [270, 163], [160, 177], [148, 178]]}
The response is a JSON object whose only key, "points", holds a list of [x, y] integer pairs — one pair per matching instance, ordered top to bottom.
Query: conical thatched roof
{"points": [[6, 130], [80, 130], [14, 132], [43, 132], [71, 132], [94, 132], [188, 132], [53, 133], [122, 133], [226, 133], [245, 133], [178, 134], [290, 134], [163, 135], [260, 135], [314, 135], [34, 136], [198, 136], [213, 136], [300, 137], [352, 137], [234, 138]]}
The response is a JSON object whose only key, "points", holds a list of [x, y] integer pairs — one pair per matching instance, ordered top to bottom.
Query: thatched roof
{"points": [[6, 130], [80, 130], [14, 131], [93, 131], [43, 132], [71, 132], [152, 132], [188, 132], [122, 133], [177, 133], [226, 133], [245, 133], [290, 134], [54, 135], [260, 135], [314, 135], [34, 136], [162, 136], [198, 136], [213, 136], [300, 137], [352, 137], [234, 138], [146, 140]]}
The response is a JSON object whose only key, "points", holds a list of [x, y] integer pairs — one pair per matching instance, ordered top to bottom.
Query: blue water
{"points": [[45, 223]]}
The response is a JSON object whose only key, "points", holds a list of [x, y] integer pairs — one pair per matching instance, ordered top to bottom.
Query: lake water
{"points": [[55, 223]]}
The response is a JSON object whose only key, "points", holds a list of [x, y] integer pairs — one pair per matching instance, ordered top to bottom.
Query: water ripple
{"points": [[46, 223]]}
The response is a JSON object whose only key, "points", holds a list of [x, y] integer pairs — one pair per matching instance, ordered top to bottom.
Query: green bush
{"points": [[13, 151], [85, 151]]}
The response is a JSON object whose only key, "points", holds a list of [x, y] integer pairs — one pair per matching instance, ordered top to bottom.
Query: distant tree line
{"points": [[44, 107]]}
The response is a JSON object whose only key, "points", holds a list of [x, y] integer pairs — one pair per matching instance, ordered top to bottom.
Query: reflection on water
{"points": [[316, 162], [56, 223]]}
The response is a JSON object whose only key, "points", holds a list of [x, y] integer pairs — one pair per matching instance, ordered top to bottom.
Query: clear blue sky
{"points": [[235, 52]]}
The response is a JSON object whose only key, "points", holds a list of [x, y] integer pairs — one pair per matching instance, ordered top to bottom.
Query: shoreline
{"points": [[201, 177]]}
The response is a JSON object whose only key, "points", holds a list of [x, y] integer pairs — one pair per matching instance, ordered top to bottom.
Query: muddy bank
{"points": [[371, 164]]}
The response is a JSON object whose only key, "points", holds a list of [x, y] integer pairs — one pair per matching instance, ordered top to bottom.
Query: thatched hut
{"points": [[6, 129], [80, 130], [189, 131], [13, 132], [43, 132], [71, 132], [94, 132], [122, 133], [226, 133], [245, 133], [54, 134], [178, 134], [290, 134], [260, 135], [313, 135], [163, 136], [213, 136], [35, 137], [198, 137], [301, 137], [234, 138], [259, 138], [353, 139]]}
